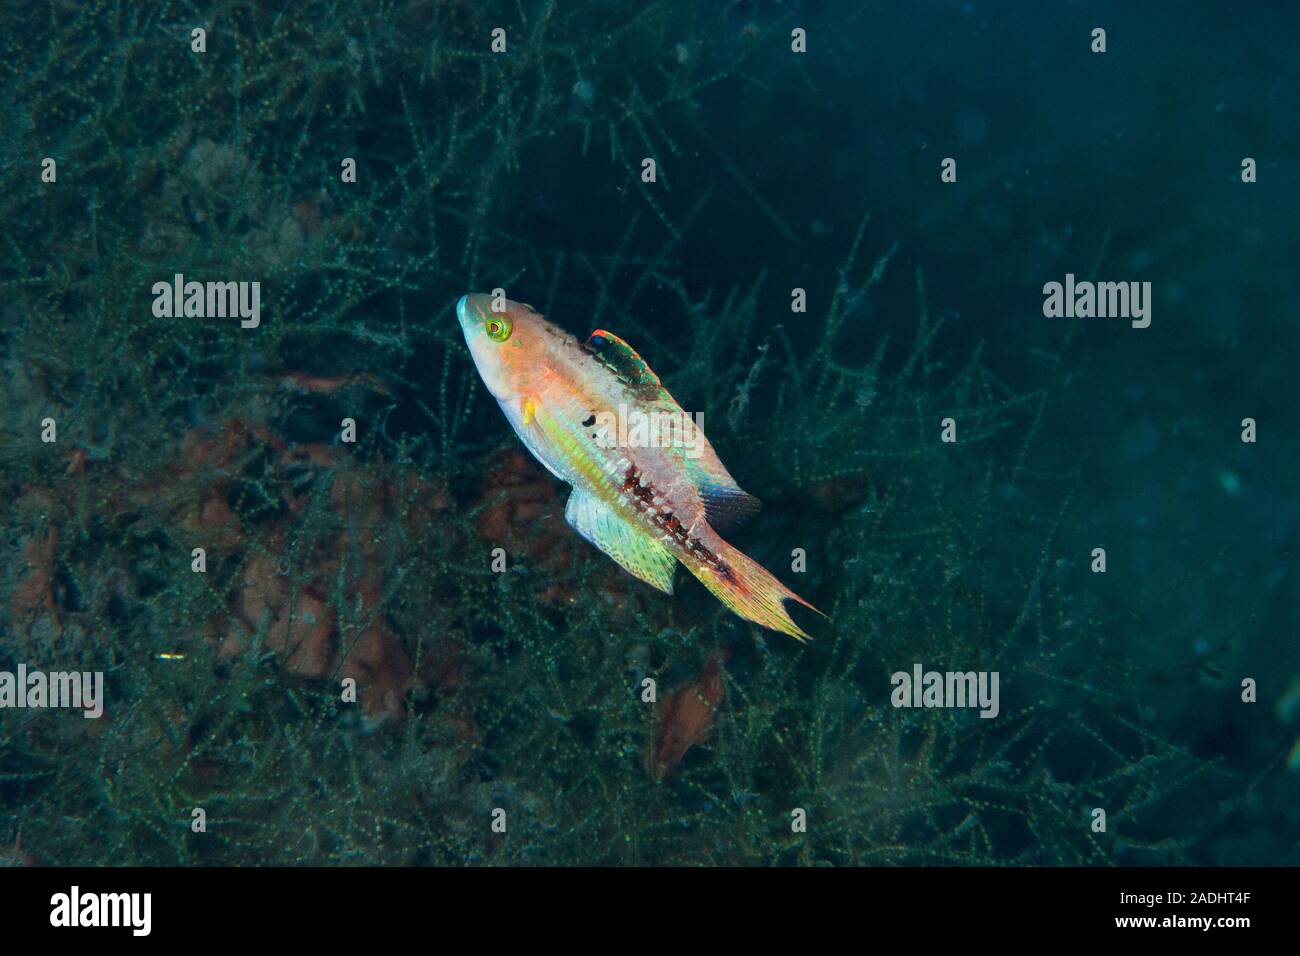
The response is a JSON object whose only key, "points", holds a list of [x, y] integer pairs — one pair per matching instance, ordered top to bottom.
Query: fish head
{"points": [[508, 343]]}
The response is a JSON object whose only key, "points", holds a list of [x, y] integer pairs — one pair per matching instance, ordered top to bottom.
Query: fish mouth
{"points": [[462, 310]]}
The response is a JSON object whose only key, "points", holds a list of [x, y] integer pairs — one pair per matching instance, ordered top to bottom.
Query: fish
{"points": [[647, 500]]}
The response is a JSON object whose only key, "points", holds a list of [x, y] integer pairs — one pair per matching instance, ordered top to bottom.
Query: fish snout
{"points": [[462, 311], [476, 323]]}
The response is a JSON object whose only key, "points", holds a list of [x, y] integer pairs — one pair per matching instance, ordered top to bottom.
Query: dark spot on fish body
{"points": [[589, 421], [632, 484], [642, 495], [669, 522], [707, 557]]}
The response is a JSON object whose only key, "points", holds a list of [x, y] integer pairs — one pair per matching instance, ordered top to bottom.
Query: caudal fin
{"points": [[749, 589]]}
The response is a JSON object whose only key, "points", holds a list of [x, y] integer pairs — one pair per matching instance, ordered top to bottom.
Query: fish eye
{"points": [[498, 328]]}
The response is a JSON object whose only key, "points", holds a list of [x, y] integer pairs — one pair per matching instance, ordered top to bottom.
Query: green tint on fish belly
{"points": [[556, 437], [535, 441], [600, 507], [635, 549]]}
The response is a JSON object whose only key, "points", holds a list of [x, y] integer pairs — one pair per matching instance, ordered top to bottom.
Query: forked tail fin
{"points": [[748, 588]]}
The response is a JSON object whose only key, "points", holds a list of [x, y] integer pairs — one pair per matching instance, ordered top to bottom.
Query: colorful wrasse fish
{"points": [[645, 499]]}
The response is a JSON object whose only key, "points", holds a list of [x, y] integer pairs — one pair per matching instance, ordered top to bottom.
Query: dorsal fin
{"points": [[623, 360], [726, 505]]}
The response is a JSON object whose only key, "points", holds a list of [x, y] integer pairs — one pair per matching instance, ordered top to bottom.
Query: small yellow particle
{"points": [[530, 409]]}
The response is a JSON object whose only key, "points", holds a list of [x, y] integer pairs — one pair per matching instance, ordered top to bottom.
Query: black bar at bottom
{"points": [[334, 906]]}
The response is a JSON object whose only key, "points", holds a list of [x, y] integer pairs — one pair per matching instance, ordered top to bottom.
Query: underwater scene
{"points": [[649, 432]]}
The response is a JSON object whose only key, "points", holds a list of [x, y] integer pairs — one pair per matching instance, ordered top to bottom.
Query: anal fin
{"points": [[636, 550]]}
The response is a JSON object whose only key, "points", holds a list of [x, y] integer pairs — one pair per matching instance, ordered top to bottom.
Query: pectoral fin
{"points": [[637, 551]]}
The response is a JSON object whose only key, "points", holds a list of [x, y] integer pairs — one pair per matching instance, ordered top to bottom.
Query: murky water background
{"points": [[327, 561]]}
